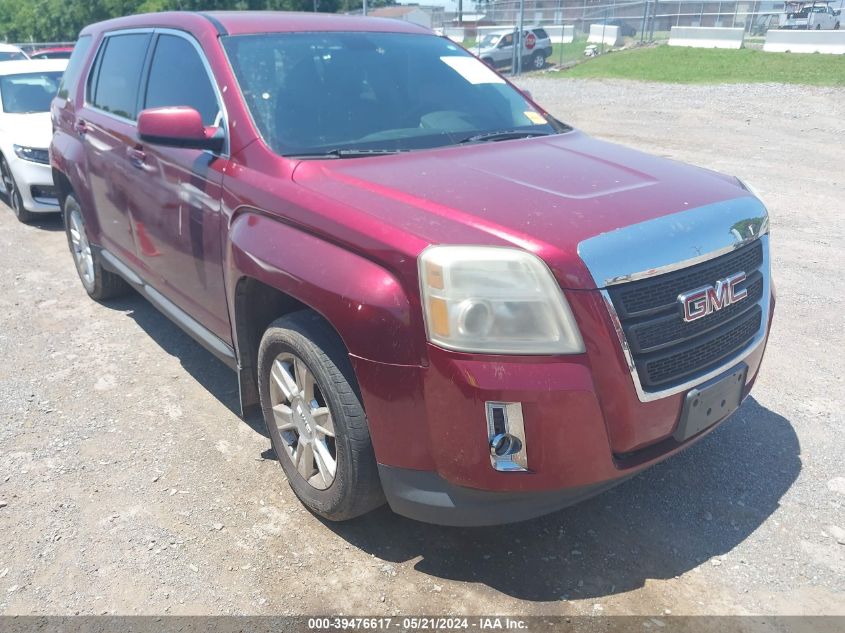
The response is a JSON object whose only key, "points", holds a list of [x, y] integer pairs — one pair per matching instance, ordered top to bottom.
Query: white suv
{"points": [[496, 49]]}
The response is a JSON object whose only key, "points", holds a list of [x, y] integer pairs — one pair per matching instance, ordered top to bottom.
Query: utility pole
{"points": [[365, 7], [460, 11], [645, 16], [517, 40]]}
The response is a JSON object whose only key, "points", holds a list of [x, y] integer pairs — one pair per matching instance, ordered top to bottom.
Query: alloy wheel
{"points": [[80, 247], [303, 421]]}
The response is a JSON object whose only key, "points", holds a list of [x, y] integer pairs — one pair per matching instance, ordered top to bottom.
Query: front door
{"points": [[175, 198]]}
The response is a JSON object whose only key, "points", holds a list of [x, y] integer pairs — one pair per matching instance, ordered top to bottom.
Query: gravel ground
{"points": [[129, 485]]}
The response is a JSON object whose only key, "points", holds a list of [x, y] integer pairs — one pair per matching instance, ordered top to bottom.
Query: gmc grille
{"points": [[666, 350]]}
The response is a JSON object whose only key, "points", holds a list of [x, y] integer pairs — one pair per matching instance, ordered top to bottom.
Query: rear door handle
{"points": [[81, 127], [136, 156]]}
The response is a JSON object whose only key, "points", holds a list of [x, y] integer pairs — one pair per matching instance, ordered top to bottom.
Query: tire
{"points": [[818, 27], [538, 61], [489, 62], [13, 194], [99, 283], [301, 354]]}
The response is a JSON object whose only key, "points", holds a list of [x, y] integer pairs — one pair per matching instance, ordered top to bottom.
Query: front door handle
{"points": [[81, 127], [136, 157]]}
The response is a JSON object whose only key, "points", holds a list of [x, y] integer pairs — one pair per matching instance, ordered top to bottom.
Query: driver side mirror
{"points": [[178, 126]]}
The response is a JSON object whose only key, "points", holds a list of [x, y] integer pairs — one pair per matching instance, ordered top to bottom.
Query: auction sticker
{"points": [[473, 70]]}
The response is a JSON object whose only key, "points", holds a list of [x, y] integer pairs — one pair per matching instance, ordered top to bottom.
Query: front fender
{"points": [[363, 301]]}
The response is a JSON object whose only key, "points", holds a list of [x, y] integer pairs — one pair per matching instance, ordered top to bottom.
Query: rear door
{"points": [[107, 126], [176, 194]]}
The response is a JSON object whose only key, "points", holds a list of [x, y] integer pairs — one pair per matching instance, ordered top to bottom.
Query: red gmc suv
{"points": [[439, 295]]}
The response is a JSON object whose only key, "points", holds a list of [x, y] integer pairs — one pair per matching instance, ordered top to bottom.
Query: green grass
{"points": [[563, 53], [698, 65]]}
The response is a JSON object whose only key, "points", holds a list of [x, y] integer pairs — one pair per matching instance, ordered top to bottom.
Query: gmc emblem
{"points": [[700, 302]]}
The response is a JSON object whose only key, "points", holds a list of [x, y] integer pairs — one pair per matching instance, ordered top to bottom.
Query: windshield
{"points": [[11, 56], [32, 92], [312, 93]]}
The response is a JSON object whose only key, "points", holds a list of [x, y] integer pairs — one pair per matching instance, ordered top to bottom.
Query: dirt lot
{"points": [[129, 485]]}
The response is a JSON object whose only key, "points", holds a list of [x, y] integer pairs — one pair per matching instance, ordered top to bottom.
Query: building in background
{"points": [[431, 17]]}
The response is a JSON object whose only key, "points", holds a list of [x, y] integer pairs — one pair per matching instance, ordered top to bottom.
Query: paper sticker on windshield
{"points": [[473, 70], [535, 117]]}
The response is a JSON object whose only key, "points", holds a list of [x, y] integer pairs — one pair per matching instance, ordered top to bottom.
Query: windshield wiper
{"points": [[504, 135], [346, 153]]}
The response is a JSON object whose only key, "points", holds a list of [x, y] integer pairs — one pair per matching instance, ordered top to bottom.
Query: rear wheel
{"points": [[538, 61], [13, 194], [98, 282], [315, 417]]}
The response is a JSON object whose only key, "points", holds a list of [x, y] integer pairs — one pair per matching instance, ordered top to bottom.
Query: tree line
{"points": [[61, 20]]}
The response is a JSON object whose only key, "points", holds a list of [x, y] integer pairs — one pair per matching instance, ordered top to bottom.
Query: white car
{"points": [[10, 53], [26, 90]]}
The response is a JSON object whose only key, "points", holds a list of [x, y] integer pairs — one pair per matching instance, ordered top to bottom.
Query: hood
{"points": [[30, 130], [544, 194]]}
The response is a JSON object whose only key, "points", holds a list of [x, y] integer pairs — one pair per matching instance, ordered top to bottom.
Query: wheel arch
{"points": [[274, 269]]}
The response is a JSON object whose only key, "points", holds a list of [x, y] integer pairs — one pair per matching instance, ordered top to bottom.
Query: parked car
{"points": [[815, 15], [625, 28], [496, 49], [56, 52], [9, 53], [26, 89], [437, 293]]}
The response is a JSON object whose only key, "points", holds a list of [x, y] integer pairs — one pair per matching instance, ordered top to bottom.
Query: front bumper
{"points": [[35, 183], [585, 427], [425, 496]]}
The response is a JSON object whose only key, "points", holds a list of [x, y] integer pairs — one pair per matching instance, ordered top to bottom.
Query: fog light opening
{"points": [[506, 436]]}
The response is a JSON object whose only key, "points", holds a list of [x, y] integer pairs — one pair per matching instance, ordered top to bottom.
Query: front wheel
{"points": [[13, 194], [315, 418]]}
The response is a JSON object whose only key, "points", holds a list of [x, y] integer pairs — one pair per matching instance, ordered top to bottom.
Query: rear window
{"points": [[541, 34], [11, 56], [74, 66], [115, 79]]}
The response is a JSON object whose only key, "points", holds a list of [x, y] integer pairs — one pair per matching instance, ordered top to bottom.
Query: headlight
{"points": [[34, 154], [496, 301]]}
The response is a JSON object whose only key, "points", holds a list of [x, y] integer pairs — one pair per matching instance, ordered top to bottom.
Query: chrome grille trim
{"points": [[723, 227], [676, 241]]}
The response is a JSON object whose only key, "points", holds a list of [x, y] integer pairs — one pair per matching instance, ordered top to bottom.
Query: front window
{"points": [[30, 92], [321, 93]]}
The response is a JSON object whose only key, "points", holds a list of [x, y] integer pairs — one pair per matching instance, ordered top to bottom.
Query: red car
{"points": [[56, 52], [438, 294]]}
